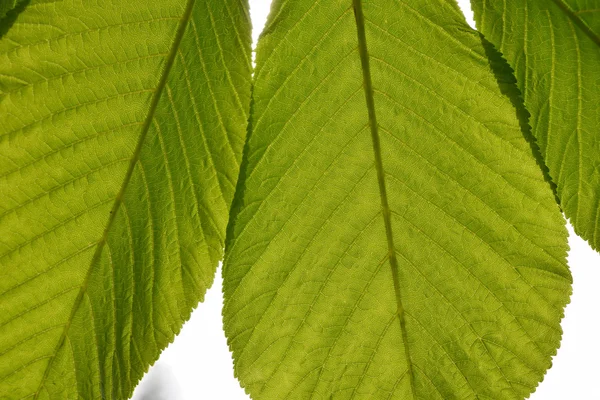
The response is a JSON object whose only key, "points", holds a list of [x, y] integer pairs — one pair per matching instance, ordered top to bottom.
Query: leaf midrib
{"points": [[170, 59], [374, 128]]}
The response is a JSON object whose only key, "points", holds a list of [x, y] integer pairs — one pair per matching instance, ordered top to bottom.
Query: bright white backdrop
{"points": [[198, 364]]}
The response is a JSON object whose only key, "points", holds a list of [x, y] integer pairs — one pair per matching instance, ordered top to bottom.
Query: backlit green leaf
{"points": [[6, 6], [554, 47], [121, 130], [402, 247]]}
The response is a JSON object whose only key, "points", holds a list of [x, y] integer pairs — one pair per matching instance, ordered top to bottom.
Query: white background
{"points": [[198, 364]]}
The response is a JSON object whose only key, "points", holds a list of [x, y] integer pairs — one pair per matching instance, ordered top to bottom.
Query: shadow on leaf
{"points": [[507, 83]]}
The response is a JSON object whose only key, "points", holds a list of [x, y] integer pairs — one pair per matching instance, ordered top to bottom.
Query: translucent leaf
{"points": [[6, 6], [553, 47], [121, 130], [392, 236]]}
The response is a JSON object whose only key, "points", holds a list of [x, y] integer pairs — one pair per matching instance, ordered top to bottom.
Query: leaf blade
{"points": [[6, 7], [556, 78], [75, 111], [310, 309]]}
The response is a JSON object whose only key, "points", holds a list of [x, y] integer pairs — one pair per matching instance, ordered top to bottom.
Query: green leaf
{"points": [[6, 6], [9, 10], [554, 48], [122, 128], [402, 247]]}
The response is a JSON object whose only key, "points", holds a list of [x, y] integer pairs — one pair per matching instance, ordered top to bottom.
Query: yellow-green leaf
{"points": [[554, 48], [121, 131], [392, 236]]}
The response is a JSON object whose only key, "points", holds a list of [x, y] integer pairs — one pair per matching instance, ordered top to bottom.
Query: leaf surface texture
{"points": [[6, 6], [554, 48], [121, 132], [391, 235]]}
